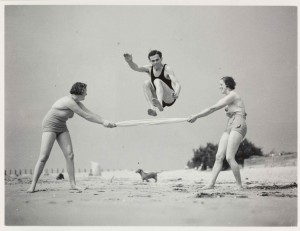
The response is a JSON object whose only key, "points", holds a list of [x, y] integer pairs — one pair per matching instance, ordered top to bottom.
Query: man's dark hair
{"points": [[154, 52]]}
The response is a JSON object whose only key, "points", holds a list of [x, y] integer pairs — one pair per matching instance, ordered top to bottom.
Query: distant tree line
{"points": [[204, 157]]}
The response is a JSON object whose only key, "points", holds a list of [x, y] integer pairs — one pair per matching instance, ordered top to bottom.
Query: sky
{"points": [[50, 47]]}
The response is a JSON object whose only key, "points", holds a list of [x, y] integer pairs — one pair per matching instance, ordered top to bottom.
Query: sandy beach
{"points": [[120, 198]]}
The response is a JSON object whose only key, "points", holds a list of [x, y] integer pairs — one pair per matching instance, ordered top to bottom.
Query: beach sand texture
{"points": [[120, 198]]}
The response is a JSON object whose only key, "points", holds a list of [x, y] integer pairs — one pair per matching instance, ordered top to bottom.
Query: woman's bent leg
{"points": [[48, 139], [234, 140], [219, 160]]}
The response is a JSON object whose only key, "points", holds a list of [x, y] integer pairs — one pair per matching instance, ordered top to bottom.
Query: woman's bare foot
{"points": [[157, 104], [75, 187], [208, 187], [238, 187], [30, 190]]}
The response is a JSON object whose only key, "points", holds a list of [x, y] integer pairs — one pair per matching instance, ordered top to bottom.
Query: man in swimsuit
{"points": [[163, 88]]}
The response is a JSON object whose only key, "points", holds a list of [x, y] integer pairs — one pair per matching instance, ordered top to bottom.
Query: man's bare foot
{"points": [[157, 104], [152, 112], [208, 187]]}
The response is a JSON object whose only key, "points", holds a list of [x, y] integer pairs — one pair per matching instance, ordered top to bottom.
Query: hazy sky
{"points": [[48, 48]]}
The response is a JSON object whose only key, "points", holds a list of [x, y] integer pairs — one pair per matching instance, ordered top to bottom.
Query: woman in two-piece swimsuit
{"points": [[54, 127], [234, 133]]}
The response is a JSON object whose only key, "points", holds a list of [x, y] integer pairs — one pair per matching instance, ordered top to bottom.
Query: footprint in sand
{"points": [[198, 182], [178, 185], [180, 190], [75, 191], [240, 196]]}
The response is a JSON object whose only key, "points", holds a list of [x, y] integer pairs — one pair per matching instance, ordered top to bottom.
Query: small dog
{"points": [[60, 176], [146, 176]]}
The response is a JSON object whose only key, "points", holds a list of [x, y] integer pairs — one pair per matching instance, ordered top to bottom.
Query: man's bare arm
{"points": [[134, 66], [175, 83]]}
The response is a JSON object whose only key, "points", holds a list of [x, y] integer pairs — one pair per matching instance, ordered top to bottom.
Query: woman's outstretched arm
{"points": [[220, 104], [82, 111]]}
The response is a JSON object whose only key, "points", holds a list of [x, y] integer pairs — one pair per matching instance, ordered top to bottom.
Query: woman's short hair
{"points": [[154, 52], [229, 82], [78, 88]]}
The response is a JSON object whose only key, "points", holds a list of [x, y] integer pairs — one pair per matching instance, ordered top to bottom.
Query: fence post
{"points": [[272, 160]]}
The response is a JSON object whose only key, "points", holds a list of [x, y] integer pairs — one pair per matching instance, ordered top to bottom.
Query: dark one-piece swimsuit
{"points": [[165, 80]]}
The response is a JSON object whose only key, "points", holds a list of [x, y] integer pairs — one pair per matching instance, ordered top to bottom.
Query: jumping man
{"points": [[163, 88]]}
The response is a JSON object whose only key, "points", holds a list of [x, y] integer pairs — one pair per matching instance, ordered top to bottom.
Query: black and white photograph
{"points": [[149, 115]]}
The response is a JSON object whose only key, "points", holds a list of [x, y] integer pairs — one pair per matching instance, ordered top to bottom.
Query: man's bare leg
{"points": [[149, 93], [164, 94]]}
